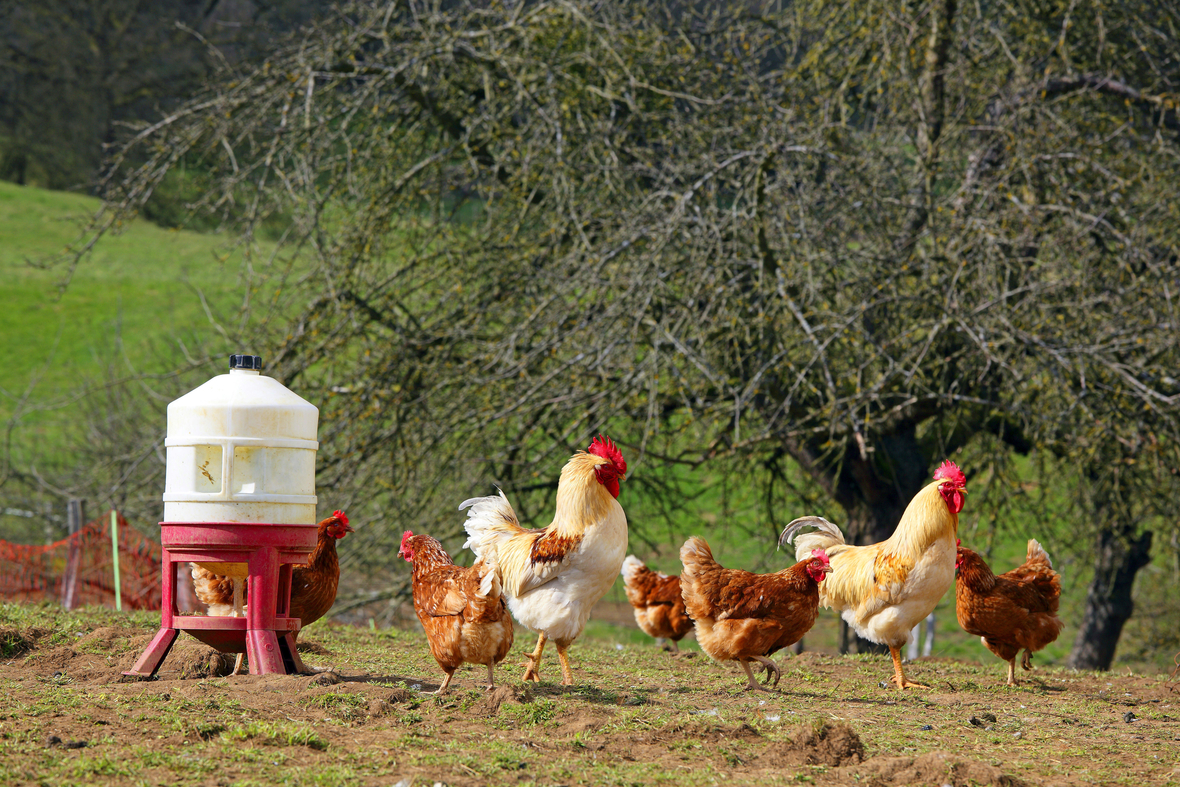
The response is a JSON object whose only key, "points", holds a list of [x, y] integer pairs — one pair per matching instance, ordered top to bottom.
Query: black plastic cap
{"points": [[245, 362]]}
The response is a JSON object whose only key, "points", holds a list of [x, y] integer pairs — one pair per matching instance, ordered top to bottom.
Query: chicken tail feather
{"points": [[490, 520], [825, 536], [1037, 553], [696, 557], [632, 568], [489, 578]]}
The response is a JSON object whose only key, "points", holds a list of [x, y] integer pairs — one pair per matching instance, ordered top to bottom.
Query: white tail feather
{"points": [[489, 520], [826, 535], [489, 578]]}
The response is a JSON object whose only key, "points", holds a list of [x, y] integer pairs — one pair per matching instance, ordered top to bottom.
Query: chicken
{"points": [[554, 576], [313, 585], [883, 590], [659, 607], [461, 609], [1011, 611], [742, 616]]}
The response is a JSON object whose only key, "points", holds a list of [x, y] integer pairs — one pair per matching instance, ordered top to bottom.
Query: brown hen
{"points": [[313, 585], [659, 607], [462, 610], [1013, 611], [742, 616]]}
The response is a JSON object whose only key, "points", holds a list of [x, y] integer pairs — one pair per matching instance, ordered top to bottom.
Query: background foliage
{"points": [[813, 247]]}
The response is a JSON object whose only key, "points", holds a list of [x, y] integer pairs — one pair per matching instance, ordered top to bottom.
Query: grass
{"points": [[144, 285], [635, 717]]}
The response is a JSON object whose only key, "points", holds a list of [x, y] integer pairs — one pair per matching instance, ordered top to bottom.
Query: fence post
{"points": [[115, 560], [69, 583]]}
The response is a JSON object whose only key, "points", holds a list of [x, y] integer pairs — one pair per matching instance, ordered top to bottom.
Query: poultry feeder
{"points": [[239, 499]]}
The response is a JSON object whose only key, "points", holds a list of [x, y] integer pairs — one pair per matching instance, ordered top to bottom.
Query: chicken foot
{"points": [[1026, 660], [533, 665], [300, 667], [567, 674], [899, 675], [446, 682], [753, 684]]}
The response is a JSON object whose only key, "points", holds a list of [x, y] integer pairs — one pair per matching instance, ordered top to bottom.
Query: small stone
{"points": [[1129, 717], [975, 722], [925, 727], [1018, 734]]}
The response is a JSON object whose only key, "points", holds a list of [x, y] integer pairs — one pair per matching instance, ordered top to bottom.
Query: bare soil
{"points": [[636, 716]]}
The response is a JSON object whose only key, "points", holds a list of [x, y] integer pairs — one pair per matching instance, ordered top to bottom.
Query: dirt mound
{"points": [[108, 640], [17, 642], [194, 660], [491, 702], [829, 744], [833, 745], [936, 768]]}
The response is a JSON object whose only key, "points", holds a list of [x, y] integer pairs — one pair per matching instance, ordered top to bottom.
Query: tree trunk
{"points": [[1108, 604]]}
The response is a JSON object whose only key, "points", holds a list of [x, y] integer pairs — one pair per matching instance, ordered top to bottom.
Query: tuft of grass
{"points": [[275, 734]]}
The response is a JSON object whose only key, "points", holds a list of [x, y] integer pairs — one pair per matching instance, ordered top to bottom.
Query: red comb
{"points": [[605, 447], [949, 471], [341, 516], [822, 555]]}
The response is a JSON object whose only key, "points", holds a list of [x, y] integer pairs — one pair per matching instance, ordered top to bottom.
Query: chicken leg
{"points": [[1026, 660], [533, 665], [770, 667], [1012, 671], [567, 674], [491, 676], [899, 676], [446, 682], [753, 684]]}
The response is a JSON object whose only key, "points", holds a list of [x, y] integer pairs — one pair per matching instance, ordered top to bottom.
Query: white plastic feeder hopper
{"points": [[241, 448]]}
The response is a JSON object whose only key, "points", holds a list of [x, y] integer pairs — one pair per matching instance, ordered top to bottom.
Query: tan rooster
{"points": [[553, 577], [883, 590]]}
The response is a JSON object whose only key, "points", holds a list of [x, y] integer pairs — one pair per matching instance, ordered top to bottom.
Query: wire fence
{"points": [[79, 570]]}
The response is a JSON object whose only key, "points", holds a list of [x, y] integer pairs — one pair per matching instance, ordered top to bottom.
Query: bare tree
{"points": [[859, 236]]}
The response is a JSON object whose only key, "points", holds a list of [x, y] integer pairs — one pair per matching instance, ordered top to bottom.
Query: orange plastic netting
{"points": [[78, 570]]}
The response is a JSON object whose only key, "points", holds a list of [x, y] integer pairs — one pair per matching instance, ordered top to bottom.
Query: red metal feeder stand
{"points": [[241, 447]]}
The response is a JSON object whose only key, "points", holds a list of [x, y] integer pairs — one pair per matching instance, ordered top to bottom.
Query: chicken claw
{"points": [[1026, 660], [534, 662], [770, 666], [899, 677], [753, 685]]}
